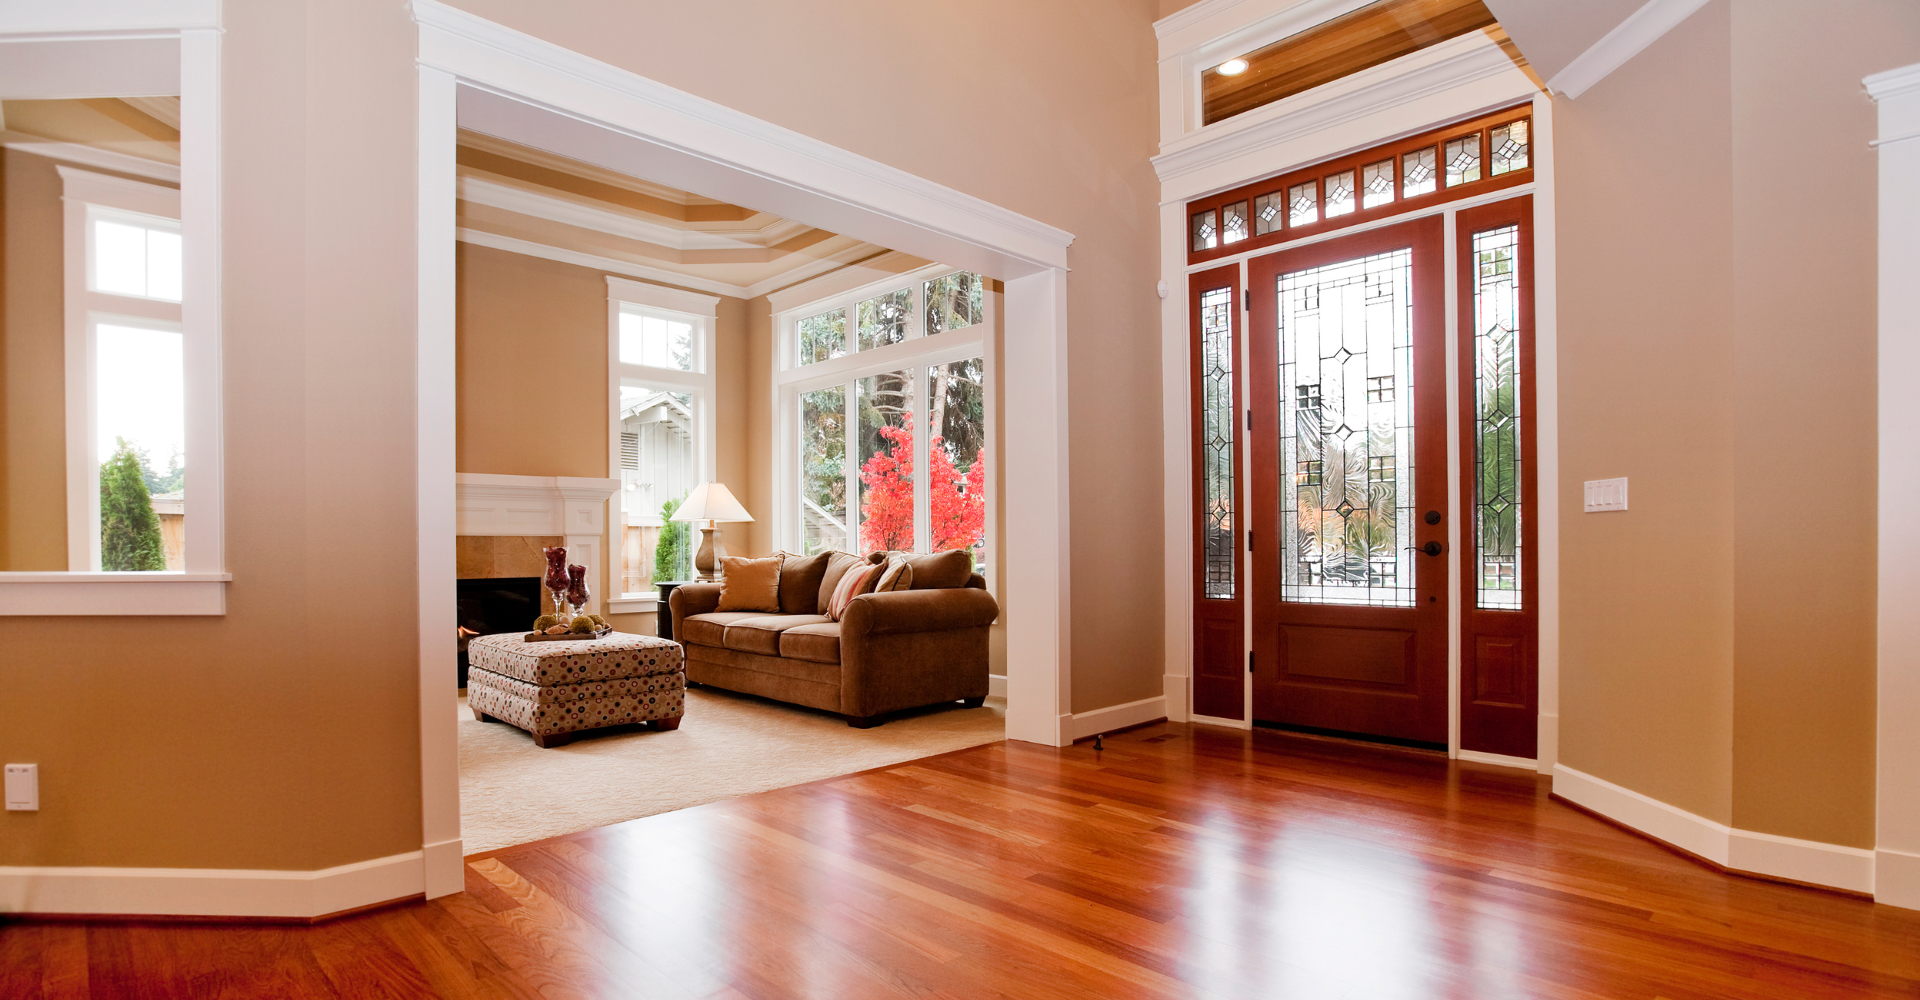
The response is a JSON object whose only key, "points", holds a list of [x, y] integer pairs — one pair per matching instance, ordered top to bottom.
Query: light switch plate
{"points": [[1606, 494], [23, 788]]}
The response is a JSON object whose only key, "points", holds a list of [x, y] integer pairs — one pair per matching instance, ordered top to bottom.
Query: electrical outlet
{"points": [[1606, 494], [23, 788]]}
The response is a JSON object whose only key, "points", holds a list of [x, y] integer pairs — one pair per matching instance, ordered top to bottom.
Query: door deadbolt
{"points": [[1433, 517]]}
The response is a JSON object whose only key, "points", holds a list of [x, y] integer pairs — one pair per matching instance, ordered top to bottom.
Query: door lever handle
{"points": [[1433, 548]]}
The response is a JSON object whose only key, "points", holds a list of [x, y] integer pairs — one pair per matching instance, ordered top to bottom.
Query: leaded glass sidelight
{"points": [[1510, 148], [1462, 159], [1417, 173], [1377, 180], [1340, 193], [1303, 204], [1266, 213], [1233, 222], [1205, 237], [821, 337], [1346, 372], [1217, 426], [1496, 432]]}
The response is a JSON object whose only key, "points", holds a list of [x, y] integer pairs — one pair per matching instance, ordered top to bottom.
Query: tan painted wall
{"points": [[1717, 341], [33, 444]]}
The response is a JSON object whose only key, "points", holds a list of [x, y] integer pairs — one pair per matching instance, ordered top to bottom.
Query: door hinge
{"points": [[1246, 300], [1249, 420], [1249, 539], [1249, 661]]}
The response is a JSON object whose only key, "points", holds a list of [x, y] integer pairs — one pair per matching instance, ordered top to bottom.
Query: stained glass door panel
{"points": [[1348, 504], [1219, 657]]}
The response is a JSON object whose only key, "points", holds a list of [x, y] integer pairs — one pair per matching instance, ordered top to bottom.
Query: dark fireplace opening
{"points": [[507, 604]]}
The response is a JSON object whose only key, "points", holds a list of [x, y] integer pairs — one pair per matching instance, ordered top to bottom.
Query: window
{"points": [[661, 399], [886, 422]]}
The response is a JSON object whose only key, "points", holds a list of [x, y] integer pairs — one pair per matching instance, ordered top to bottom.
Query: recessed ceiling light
{"points": [[1232, 67]]}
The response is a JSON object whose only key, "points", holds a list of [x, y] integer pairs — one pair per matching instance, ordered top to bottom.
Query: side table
{"points": [[663, 613]]}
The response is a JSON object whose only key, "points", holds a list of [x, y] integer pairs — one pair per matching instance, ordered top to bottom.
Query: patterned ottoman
{"points": [[555, 689]]}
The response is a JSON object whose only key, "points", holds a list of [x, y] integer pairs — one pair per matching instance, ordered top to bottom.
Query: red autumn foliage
{"points": [[957, 499]]}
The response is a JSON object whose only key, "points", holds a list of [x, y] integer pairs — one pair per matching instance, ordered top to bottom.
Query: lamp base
{"points": [[708, 562]]}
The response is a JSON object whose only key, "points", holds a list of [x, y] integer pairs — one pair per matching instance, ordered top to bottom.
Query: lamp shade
{"points": [[710, 502]]}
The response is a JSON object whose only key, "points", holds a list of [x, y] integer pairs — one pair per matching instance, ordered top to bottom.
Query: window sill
{"points": [[113, 593], [632, 605]]}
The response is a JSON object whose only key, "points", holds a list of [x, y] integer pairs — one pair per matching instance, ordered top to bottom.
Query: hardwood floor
{"points": [[1180, 862]]}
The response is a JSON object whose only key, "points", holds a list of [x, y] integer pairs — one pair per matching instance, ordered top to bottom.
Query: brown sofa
{"points": [[887, 652]]}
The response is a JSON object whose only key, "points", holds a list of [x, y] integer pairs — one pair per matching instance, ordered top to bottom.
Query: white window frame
{"points": [[138, 63], [702, 311], [916, 351]]}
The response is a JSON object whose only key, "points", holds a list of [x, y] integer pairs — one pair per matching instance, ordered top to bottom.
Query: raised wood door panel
{"points": [[1349, 450], [1219, 571], [1500, 580]]}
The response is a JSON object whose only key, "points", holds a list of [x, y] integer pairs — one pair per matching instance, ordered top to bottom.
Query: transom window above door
{"points": [[1463, 160]]}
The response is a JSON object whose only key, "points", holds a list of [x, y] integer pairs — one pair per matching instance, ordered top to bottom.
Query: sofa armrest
{"points": [[691, 599], [918, 611]]}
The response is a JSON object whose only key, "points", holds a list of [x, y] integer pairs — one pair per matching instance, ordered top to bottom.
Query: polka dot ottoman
{"points": [[558, 688]]}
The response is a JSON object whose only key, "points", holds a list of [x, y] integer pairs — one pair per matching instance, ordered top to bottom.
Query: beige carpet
{"points": [[512, 792]]}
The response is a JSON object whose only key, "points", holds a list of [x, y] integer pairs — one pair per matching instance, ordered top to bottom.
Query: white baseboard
{"points": [[996, 685], [1175, 687], [1209, 720], [1081, 725], [1547, 747], [1500, 759], [1809, 861], [445, 868], [1896, 878], [212, 892]]}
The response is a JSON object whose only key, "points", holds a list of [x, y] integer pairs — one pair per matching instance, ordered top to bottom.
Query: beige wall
{"points": [[1716, 331], [33, 444]]}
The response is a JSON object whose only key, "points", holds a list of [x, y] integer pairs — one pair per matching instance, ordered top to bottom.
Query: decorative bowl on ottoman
{"points": [[556, 689]]}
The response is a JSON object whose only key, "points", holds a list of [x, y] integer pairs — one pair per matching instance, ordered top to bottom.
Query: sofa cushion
{"points": [[838, 563], [931, 571], [897, 576], [857, 580], [800, 582], [750, 584], [710, 629], [761, 634], [817, 643]]}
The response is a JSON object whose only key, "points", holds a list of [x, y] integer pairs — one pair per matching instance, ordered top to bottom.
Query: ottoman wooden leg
{"points": [[482, 716], [664, 725], [551, 740]]}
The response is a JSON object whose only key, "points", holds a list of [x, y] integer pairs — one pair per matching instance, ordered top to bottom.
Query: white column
{"points": [[1176, 468], [1038, 600]]}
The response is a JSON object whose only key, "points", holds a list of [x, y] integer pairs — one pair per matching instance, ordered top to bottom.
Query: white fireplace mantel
{"points": [[569, 506]]}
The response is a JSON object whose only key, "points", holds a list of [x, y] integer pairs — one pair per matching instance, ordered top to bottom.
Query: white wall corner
{"points": [[1627, 39], [1175, 688], [1896, 879]]}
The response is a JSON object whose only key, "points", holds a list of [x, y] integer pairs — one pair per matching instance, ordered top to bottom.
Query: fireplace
{"points": [[505, 604]]}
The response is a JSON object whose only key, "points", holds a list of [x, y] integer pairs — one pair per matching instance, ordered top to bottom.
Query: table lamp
{"points": [[710, 502]]}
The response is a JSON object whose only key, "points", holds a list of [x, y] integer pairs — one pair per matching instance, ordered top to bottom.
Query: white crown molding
{"points": [[94, 18], [1216, 29], [1629, 38], [1453, 64], [1893, 82], [160, 109], [684, 121], [99, 159], [586, 171], [566, 211], [528, 247], [818, 266], [891, 266], [661, 297], [531, 505], [1850, 868], [211, 892]]}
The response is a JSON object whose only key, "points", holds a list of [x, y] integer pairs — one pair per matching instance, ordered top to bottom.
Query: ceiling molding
{"points": [[1221, 28], [1629, 38], [1893, 82], [165, 110], [99, 159], [587, 171], [566, 211], [599, 263], [818, 266], [870, 271], [646, 293]]}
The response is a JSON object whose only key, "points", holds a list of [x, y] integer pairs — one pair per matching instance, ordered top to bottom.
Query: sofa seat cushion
{"points": [[710, 629], [762, 634], [817, 643]]}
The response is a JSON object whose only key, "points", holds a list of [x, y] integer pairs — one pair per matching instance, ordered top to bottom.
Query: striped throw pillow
{"points": [[856, 581]]}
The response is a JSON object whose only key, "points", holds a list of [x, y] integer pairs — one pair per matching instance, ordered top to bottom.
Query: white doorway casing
{"points": [[479, 75]]}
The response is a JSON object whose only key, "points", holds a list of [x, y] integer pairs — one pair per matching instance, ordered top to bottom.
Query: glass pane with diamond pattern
{"points": [[1510, 148], [1462, 159], [1417, 174], [1376, 179], [1340, 193], [1303, 204], [1266, 213], [1233, 222], [1205, 237], [1346, 378], [1496, 398], [1217, 426]]}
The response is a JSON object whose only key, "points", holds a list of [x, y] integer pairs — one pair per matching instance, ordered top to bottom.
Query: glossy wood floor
{"points": [[1180, 862]]}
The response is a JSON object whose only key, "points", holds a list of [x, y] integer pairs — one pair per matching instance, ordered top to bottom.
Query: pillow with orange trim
{"points": [[858, 580]]}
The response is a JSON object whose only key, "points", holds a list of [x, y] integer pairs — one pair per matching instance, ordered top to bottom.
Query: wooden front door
{"points": [[1348, 510], [1219, 630]]}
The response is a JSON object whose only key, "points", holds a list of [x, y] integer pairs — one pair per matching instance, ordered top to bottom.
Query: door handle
{"points": [[1433, 548]]}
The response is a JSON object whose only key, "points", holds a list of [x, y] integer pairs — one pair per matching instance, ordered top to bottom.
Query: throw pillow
{"points": [[838, 563], [941, 570], [898, 575], [800, 582], [853, 583], [750, 584]]}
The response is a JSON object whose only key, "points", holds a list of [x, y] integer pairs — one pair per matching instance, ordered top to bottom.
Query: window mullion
{"points": [[922, 447], [850, 460]]}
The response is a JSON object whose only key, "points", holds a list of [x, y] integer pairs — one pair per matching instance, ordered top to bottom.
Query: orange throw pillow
{"points": [[750, 584]]}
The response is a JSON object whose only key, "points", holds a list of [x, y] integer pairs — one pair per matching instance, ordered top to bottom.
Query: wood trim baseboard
{"points": [[211, 893]]}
